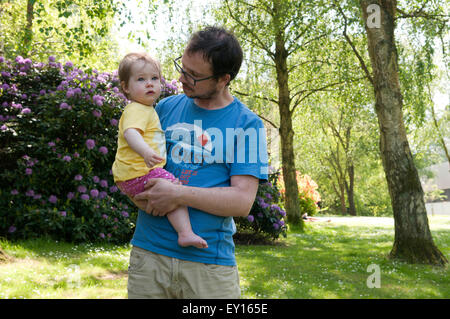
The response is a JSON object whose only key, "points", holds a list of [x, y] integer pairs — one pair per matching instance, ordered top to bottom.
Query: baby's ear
{"points": [[124, 86]]}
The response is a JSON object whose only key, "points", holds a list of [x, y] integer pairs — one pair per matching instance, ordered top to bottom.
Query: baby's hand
{"points": [[151, 159]]}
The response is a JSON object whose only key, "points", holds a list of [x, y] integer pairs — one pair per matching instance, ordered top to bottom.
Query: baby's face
{"points": [[144, 85]]}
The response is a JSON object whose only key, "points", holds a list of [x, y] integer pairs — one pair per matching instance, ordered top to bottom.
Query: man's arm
{"points": [[236, 200]]}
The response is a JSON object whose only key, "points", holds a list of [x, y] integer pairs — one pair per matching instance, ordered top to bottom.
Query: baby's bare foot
{"points": [[191, 239]]}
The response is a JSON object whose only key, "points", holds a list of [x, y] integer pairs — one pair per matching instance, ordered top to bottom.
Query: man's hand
{"points": [[161, 195], [141, 204]]}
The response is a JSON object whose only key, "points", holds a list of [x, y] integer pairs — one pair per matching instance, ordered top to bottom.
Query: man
{"points": [[217, 148]]}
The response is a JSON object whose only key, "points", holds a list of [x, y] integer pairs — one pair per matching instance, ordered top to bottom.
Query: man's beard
{"points": [[205, 96]]}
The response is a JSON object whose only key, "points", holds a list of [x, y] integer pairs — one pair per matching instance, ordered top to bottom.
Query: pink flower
{"points": [[70, 93], [98, 100], [26, 111], [97, 113], [113, 122], [90, 144], [103, 150], [67, 158], [28, 171], [78, 177], [81, 189], [113, 189], [94, 193], [85, 197], [52, 199], [63, 213]]}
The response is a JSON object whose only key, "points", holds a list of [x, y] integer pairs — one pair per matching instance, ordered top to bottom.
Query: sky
{"points": [[160, 32]]}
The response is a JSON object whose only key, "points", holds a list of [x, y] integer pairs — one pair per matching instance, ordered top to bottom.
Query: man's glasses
{"points": [[190, 79]]}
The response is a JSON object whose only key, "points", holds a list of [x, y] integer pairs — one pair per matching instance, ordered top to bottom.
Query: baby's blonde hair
{"points": [[128, 61]]}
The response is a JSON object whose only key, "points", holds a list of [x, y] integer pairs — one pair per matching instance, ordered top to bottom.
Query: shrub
{"points": [[58, 135], [309, 197], [266, 217]]}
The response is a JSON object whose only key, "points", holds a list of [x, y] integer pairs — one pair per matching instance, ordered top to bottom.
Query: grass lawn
{"points": [[329, 260]]}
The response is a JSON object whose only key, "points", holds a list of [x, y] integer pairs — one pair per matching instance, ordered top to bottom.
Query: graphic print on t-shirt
{"points": [[188, 144]]}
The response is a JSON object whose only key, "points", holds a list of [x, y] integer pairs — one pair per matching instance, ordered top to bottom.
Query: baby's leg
{"points": [[141, 204], [179, 218]]}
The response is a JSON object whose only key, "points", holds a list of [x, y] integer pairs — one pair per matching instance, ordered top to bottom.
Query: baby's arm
{"points": [[137, 143]]}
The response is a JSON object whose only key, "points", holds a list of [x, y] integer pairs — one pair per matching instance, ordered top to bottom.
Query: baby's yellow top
{"points": [[129, 164]]}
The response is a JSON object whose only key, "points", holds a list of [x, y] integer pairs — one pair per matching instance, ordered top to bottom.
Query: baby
{"points": [[141, 149]]}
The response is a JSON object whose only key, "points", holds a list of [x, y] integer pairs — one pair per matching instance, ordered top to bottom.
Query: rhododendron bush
{"points": [[58, 134], [309, 197], [266, 217]]}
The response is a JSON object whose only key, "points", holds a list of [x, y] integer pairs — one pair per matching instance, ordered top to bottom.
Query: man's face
{"points": [[195, 65]]}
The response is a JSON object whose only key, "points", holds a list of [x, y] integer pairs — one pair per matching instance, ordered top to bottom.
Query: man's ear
{"points": [[225, 79]]}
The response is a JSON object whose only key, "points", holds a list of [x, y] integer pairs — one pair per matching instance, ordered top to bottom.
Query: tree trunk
{"points": [[28, 31], [287, 137], [289, 173], [340, 178], [349, 187], [342, 197], [413, 241]]}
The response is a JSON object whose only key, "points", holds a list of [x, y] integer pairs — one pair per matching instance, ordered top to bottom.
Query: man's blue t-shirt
{"points": [[204, 149]]}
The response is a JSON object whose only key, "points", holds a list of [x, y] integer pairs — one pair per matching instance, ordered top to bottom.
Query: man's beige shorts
{"points": [[152, 275]]}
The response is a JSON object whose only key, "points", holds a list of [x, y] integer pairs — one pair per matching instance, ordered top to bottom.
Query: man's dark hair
{"points": [[220, 47]]}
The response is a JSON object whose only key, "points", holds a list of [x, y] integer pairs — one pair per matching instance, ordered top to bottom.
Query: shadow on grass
{"points": [[69, 254], [325, 261], [331, 261]]}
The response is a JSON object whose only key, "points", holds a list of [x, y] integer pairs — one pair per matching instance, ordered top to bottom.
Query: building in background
{"points": [[437, 190]]}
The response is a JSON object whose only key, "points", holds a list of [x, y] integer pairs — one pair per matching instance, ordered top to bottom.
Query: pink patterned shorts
{"points": [[134, 186]]}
